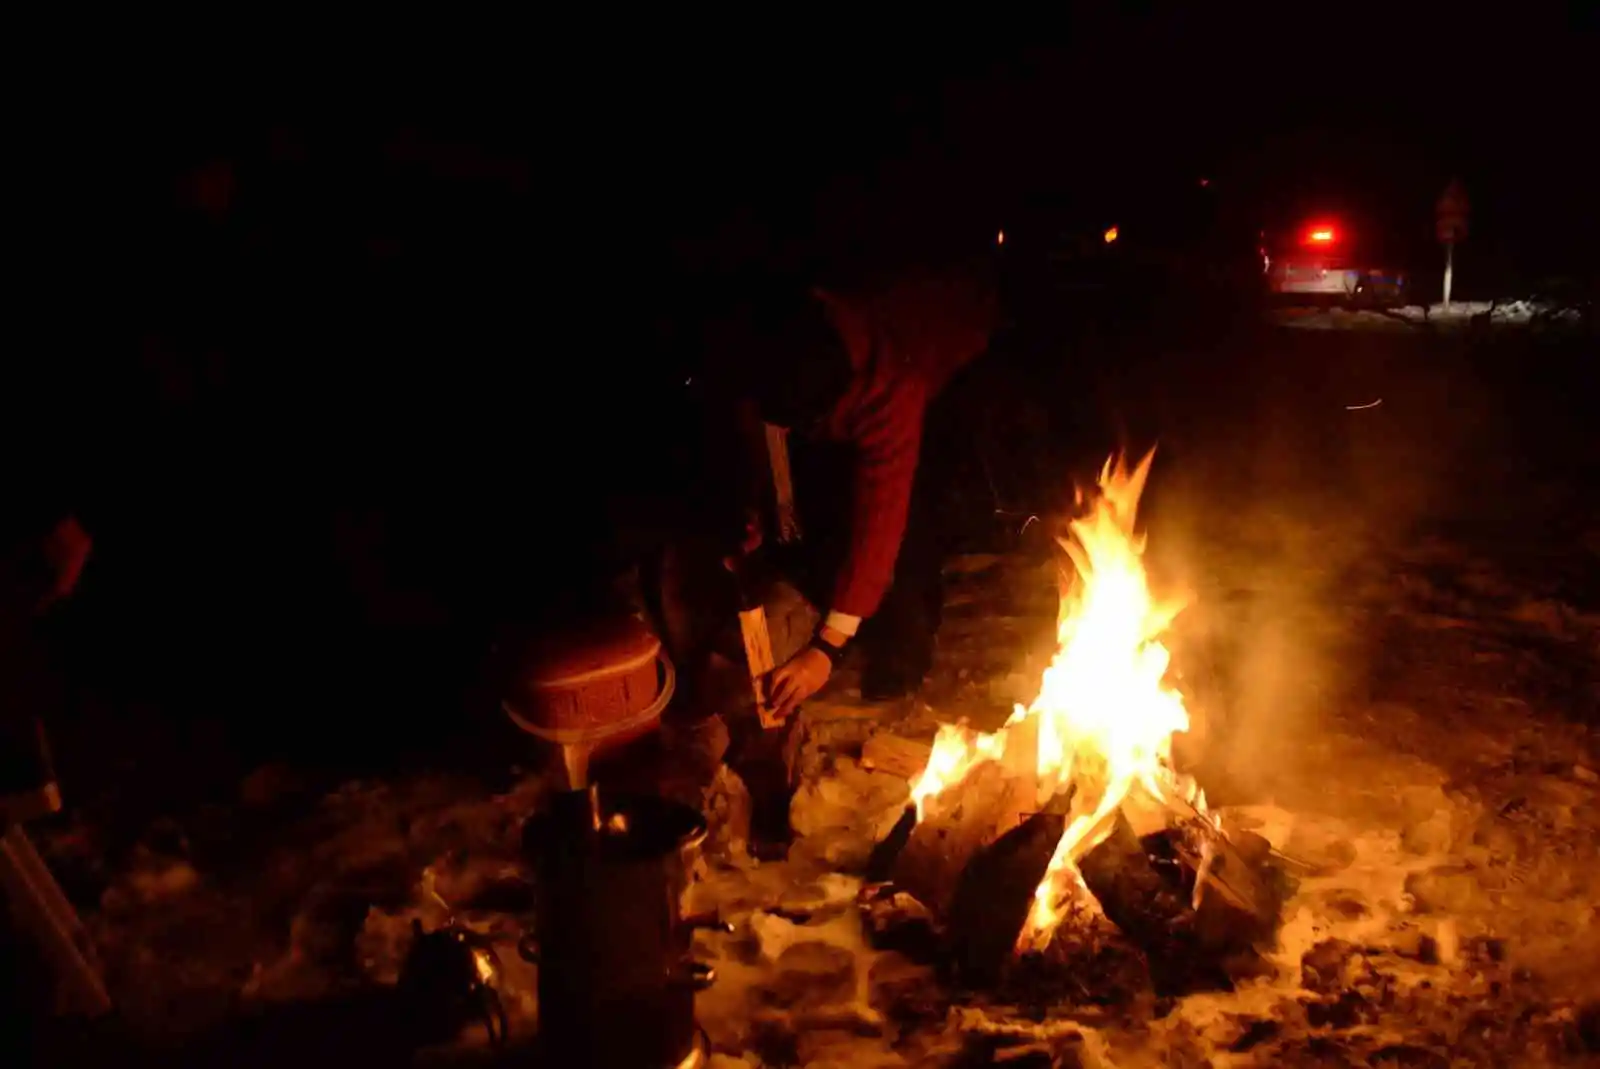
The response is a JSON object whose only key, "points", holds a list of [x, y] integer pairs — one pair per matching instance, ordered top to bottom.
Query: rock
{"points": [[830, 730], [700, 743], [269, 785], [851, 799], [726, 805], [1432, 822], [1430, 836], [1494, 841], [842, 848], [1325, 852], [155, 879], [1447, 889], [832, 890], [1343, 903], [899, 922], [774, 935], [1447, 940], [1417, 945], [1330, 966], [812, 974], [905, 991], [1350, 1009], [1589, 1027], [1255, 1031], [834, 1048], [1316, 1052], [1409, 1056], [728, 1061]]}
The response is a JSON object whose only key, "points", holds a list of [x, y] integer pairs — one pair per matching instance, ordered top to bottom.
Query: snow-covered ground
{"points": [[1456, 315], [1391, 652], [1451, 817]]}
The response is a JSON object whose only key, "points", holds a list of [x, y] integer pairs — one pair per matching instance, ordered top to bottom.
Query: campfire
{"points": [[1001, 826]]}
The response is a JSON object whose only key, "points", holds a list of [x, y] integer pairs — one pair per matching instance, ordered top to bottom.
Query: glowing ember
{"points": [[1104, 718]]}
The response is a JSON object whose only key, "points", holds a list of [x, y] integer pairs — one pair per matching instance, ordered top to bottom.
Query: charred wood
{"points": [[954, 828], [881, 863], [995, 894]]}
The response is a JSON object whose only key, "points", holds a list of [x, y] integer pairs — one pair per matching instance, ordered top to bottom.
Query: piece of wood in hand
{"points": [[782, 484], [758, 653], [895, 754], [955, 825]]}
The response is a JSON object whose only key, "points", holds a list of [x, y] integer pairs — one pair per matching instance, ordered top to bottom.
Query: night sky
{"points": [[1266, 109], [402, 315]]}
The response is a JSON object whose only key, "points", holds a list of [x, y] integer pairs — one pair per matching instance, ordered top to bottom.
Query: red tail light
{"points": [[1320, 235]]}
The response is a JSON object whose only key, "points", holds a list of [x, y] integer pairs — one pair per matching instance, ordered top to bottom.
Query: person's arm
{"points": [[888, 437]]}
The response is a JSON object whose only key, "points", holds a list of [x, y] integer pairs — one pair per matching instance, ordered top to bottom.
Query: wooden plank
{"points": [[782, 484], [758, 654], [887, 752], [43, 911]]}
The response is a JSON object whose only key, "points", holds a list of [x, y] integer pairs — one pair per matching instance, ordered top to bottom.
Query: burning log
{"points": [[955, 828], [1135, 852], [880, 865], [1239, 891], [996, 893], [1167, 894], [1144, 903]]}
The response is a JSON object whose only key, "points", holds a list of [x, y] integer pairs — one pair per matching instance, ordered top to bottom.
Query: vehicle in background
{"points": [[1322, 261]]}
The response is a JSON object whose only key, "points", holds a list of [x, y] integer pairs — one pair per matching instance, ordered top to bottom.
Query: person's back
{"points": [[851, 370]]}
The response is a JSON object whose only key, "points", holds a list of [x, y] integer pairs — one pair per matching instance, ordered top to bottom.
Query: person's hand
{"points": [[797, 680]]}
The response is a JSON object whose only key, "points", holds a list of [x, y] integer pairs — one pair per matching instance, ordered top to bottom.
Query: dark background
{"points": [[344, 382]]}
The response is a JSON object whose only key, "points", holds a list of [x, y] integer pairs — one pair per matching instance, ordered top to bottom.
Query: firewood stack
{"points": [[1192, 902]]}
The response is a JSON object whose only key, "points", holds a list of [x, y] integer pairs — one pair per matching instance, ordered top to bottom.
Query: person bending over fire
{"points": [[851, 376]]}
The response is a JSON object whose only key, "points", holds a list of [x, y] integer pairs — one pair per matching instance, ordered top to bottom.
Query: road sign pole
{"points": [[1450, 221], [1449, 270]]}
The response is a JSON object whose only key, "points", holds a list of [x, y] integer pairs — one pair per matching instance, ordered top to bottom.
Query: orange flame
{"points": [[1104, 717]]}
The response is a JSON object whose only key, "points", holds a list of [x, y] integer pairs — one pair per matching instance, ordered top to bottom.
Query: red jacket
{"points": [[905, 341]]}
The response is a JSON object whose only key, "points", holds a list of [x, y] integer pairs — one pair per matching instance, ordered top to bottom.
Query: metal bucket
{"points": [[616, 980]]}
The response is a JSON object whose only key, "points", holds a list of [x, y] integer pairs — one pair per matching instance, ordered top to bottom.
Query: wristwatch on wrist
{"points": [[833, 653]]}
